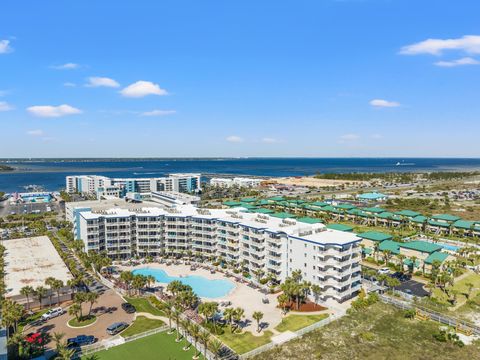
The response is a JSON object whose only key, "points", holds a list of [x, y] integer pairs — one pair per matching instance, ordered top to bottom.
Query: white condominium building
{"points": [[238, 181], [102, 185], [326, 257]]}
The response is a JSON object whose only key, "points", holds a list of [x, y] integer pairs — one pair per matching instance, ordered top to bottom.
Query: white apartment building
{"points": [[238, 181], [105, 186], [326, 257]]}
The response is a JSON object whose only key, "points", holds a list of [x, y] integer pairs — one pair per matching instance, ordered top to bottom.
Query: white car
{"points": [[384, 271], [50, 314]]}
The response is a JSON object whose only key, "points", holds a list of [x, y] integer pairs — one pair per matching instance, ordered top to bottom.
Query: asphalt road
{"points": [[415, 287]]}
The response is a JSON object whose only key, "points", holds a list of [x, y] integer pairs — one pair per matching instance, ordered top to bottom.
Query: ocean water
{"points": [[50, 174], [202, 286]]}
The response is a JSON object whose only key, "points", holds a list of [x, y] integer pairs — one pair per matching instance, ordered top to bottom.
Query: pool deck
{"points": [[241, 296]]}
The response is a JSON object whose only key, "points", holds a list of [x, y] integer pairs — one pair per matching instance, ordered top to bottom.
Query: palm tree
{"points": [[127, 278], [50, 282], [57, 286], [469, 286], [316, 290], [27, 291], [40, 293], [91, 298], [283, 302], [75, 310], [168, 310], [228, 314], [176, 315], [238, 315], [258, 316], [186, 330], [195, 331], [57, 338], [204, 339], [216, 347], [65, 353], [92, 357]]}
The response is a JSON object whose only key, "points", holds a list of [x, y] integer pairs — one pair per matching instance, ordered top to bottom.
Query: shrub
{"points": [[409, 314], [367, 336]]}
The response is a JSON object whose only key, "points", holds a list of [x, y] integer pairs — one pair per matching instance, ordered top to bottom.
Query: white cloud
{"points": [[468, 43], [5, 47], [458, 62], [67, 66], [96, 81], [69, 84], [142, 88], [384, 103], [4, 106], [53, 111], [158, 113], [36, 132], [377, 136], [349, 137], [234, 139], [269, 140]]}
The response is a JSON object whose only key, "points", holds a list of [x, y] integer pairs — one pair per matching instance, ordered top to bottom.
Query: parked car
{"points": [[384, 270], [128, 308], [52, 313], [115, 328], [81, 340]]}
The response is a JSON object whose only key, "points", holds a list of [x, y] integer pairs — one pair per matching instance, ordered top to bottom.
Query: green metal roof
{"points": [[276, 198], [249, 200], [263, 202], [232, 203], [319, 203], [247, 206], [345, 206], [312, 207], [328, 208], [375, 210], [263, 211], [408, 213], [283, 215], [389, 216], [446, 217], [420, 219], [309, 220], [439, 223], [467, 225], [340, 227], [375, 236], [389, 245], [422, 246], [367, 251], [437, 255], [409, 262]]}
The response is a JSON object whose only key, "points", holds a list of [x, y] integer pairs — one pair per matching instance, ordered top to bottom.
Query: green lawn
{"points": [[462, 289], [143, 305], [84, 322], [297, 322], [140, 325], [379, 332], [244, 342], [154, 347]]}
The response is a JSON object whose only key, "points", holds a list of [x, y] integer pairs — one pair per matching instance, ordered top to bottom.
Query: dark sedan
{"points": [[128, 308]]}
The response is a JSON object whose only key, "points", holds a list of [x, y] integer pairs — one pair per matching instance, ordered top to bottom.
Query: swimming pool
{"points": [[448, 247], [202, 286]]}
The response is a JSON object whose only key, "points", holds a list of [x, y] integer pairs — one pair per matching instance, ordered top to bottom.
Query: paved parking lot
{"points": [[415, 287], [108, 310]]}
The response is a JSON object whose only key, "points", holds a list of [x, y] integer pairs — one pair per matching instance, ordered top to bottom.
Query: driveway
{"points": [[414, 286], [108, 310]]}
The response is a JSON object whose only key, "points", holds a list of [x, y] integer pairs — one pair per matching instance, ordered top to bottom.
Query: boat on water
{"points": [[404, 164]]}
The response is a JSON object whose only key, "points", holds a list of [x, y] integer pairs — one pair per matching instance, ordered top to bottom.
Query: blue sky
{"points": [[240, 78]]}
